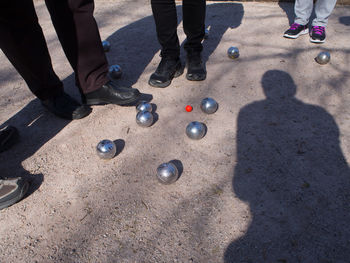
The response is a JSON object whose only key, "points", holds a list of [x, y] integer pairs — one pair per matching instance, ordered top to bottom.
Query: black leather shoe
{"points": [[195, 67], [165, 72], [110, 93], [66, 107]]}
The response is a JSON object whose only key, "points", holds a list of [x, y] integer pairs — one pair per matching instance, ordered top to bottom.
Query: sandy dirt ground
{"points": [[269, 182]]}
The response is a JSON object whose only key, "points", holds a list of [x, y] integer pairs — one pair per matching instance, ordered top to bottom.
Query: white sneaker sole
{"points": [[304, 32], [317, 40]]}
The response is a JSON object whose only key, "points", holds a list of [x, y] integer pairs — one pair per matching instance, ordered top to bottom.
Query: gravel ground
{"points": [[270, 181]]}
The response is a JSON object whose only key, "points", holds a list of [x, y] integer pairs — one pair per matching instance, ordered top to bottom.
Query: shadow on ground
{"points": [[288, 8], [345, 20], [135, 45], [36, 127], [292, 172]]}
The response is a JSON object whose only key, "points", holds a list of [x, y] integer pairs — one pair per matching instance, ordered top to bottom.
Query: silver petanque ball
{"points": [[206, 33], [106, 45], [233, 52], [323, 58], [115, 71], [209, 105], [144, 106], [144, 118], [195, 130], [106, 149], [167, 173]]}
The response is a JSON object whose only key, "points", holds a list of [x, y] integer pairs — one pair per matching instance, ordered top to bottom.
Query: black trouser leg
{"points": [[164, 12], [165, 17], [194, 24], [79, 36], [23, 42]]}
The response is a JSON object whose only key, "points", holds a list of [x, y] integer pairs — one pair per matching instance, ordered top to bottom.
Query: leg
{"points": [[323, 9], [303, 10], [165, 17], [194, 24], [194, 27], [79, 36], [23, 42]]}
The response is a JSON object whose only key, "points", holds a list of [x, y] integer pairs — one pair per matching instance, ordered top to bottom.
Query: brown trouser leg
{"points": [[79, 36], [23, 42]]}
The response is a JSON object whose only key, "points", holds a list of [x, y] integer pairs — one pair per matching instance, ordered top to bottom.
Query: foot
{"points": [[296, 30], [318, 34], [195, 67], [165, 72], [110, 93], [66, 107], [8, 137], [12, 190]]}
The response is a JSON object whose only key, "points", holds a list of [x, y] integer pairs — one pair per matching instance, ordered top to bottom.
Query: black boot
{"points": [[195, 67], [167, 69], [110, 93], [64, 106]]}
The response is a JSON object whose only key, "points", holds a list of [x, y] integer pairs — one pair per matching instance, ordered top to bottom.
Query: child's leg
{"points": [[323, 9], [303, 10]]}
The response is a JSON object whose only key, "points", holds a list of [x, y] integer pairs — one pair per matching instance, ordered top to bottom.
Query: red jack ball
{"points": [[189, 108]]}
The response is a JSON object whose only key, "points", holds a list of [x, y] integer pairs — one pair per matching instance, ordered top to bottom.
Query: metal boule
{"points": [[206, 33], [106, 45], [233, 52], [323, 58], [115, 71], [209, 105], [144, 106], [144, 118], [196, 130], [106, 149], [167, 173]]}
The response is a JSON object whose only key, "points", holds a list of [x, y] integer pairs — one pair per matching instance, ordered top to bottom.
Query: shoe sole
{"points": [[304, 32], [317, 41], [178, 73], [195, 78], [91, 102], [86, 112], [16, 198]]}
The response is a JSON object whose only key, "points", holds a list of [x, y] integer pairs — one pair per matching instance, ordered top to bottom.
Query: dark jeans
{"points": [[165, 16], [23, 42]]}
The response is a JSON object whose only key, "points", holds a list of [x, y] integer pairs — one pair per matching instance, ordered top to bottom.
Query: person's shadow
{"points": [[288, 8], [345, 20], [134, 46], [36, 127], [292, 173]]}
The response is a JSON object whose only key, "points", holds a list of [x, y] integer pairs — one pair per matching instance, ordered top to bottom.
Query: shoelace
{"points": [[294, 26], [319, 30]]}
